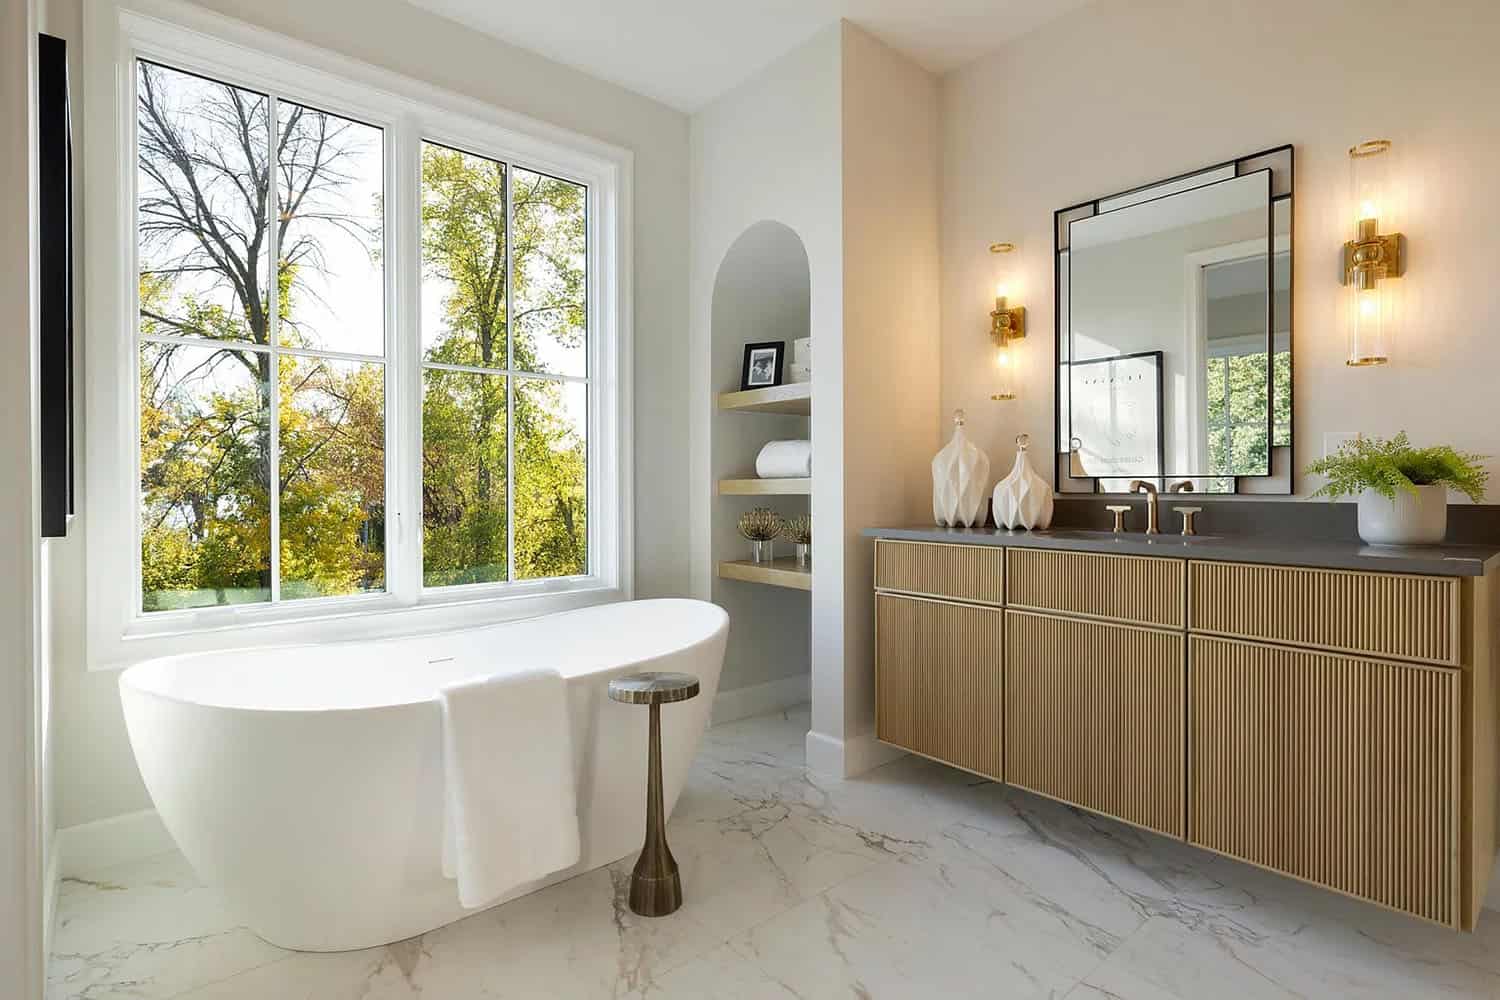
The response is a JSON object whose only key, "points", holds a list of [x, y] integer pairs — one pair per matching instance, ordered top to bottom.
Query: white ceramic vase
{"points": [[960, 478], [1023, 499], [1419, 518]]}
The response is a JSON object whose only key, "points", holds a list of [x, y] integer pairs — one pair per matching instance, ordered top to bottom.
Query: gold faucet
{"points": [[1141, 486], [1181, 486]]}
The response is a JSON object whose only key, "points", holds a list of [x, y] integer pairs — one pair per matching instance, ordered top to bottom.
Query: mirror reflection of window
{"points": [[1237, 396]]}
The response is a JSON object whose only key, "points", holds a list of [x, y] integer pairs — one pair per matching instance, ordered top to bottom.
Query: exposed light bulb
{"points": [[1368, 210], [1000, 292]]}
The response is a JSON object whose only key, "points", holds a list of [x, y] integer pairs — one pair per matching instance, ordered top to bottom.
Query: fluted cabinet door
{"points": [[938, 671], [1095, 714], [1340, 770]]}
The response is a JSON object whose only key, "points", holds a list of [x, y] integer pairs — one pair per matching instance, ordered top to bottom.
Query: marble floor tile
{"points": [[781, 737], [915, 880], [935, 927], [146, 929], [376, 974]]}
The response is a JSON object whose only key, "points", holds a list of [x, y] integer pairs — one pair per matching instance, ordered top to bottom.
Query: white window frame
{"points": [[183, 37]]}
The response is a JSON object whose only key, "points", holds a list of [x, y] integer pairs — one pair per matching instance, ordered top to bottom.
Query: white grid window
{"points": [[357, 347]]}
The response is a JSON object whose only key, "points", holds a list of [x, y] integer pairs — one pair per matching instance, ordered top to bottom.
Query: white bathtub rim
{"points": [[127, 682]]}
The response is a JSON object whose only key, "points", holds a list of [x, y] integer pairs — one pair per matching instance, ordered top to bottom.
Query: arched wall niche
{"points": [[762, 292]]}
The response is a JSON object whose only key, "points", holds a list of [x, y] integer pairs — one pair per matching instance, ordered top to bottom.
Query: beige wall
{"points": [[1121, 94], [891, 339], [96, 773]]}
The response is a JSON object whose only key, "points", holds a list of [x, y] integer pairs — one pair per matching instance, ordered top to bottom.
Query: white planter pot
{"points": [[1411, 519]]}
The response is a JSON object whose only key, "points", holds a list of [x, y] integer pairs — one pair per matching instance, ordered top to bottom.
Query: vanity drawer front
{"points": [[930, 569], [1138, 590], [1391, 615], [938, 680], [1095, 716], [1340, 770]]}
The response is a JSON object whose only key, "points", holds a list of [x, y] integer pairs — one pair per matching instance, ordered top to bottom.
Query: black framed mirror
{"points": [[1174, 332]]}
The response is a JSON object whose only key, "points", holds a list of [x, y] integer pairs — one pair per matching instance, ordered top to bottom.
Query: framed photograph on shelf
{"points": [[763, 364]]}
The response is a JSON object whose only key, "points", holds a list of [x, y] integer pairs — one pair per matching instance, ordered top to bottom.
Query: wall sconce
{"points": [[1372, 259], [1007, 323]]}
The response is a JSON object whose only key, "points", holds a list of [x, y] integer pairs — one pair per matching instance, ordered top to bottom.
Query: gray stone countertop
{"points": [[1434, 560]]}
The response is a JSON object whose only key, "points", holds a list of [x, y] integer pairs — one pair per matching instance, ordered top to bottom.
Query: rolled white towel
{"points": [[785, 460]]}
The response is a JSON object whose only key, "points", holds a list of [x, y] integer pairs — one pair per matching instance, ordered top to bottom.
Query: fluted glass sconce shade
{"points": [[1374, 259], [1007, 324], [1005, 374]]}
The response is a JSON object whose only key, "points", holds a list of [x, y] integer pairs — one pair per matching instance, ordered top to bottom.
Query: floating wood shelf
{"points": [[795, 398], [753, 487], [776, 573]]}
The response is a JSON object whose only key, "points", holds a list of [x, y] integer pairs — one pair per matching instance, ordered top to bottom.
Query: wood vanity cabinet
{"points": [[938, 688], [1094, 715], [1337, 726], [1342, 730], [1341, 770]]}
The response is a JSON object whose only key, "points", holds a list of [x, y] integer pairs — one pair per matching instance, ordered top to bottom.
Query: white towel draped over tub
{"points": [[784, 460], [511, 811]]}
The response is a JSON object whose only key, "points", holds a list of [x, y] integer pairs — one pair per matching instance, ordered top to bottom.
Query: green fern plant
{"points": [[1386, 466]]}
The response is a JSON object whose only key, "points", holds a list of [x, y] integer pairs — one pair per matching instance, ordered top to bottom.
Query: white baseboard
{"points": [[761, 699], [848, 758], [89, 847]]}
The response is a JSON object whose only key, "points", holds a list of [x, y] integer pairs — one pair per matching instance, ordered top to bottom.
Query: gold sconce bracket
{"points": [[1374, 256], [1007, 324]]}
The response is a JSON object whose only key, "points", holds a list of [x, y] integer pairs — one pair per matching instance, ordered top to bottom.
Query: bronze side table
{"points": [[655, 886]]}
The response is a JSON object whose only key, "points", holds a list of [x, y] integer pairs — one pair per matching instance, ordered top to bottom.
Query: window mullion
{"points": [[273, 328], [407, 357], [510, 386]]}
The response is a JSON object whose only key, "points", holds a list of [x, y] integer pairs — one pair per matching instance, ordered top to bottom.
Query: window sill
{"points": [[372, 617]]}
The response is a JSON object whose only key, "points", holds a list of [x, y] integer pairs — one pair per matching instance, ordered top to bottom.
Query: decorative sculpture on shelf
{"points": [[960, 476], [1023, 498], [760, 528], [798, 531]]}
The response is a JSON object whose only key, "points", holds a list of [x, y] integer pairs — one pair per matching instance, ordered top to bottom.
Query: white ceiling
{"points": [[685, 53]]}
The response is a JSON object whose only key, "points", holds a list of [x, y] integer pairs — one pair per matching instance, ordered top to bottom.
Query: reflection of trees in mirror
{"points": [[1237, 412]]}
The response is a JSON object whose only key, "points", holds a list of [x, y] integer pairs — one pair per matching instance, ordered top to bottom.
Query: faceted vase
{"points": [[960, 477], [1023, 499]]}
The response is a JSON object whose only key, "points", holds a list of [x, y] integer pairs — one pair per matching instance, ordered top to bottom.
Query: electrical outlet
{"points": [[1334, 440]]}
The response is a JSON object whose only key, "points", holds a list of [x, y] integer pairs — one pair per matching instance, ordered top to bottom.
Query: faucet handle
{"points": [[1119, 512], [1188, 513]]}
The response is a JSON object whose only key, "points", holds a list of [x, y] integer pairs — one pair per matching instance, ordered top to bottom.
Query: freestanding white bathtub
{"points": [[307, 783]]}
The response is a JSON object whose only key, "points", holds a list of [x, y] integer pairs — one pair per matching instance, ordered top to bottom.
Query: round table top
{"points": [[653, 688]]}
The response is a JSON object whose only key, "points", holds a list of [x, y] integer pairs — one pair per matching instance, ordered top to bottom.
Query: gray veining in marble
{"points": [[1435, 560], [913, 881]]}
